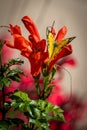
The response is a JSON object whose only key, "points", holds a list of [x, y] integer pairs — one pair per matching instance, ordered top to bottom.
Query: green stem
{"points": [[0, 59], [1, 74], [47, 81], [37, 87], [44, 89], [3, 101], [31, 126]]}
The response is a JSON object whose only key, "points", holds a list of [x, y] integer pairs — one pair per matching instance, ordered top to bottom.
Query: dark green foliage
{"points": [[7, 74], [39, 112], [4, 125]]}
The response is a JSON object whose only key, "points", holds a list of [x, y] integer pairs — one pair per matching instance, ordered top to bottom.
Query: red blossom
{"points": [[31, 27], [61, 34], [20, 42], [34, 49], [64, 52], [38, 56]]}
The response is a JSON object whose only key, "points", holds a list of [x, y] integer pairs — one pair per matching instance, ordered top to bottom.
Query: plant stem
{"points": [[0, 58], [1, 74], [37, 87], [3, 101], [31, 126]]}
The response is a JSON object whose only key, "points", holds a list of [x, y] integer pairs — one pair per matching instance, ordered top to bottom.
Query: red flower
{"points": [[31, 27], [20, 42], [34, 49], [64, 52], [38, 56]]}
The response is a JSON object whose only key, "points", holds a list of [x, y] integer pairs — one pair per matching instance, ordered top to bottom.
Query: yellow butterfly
{"points": [[55, 47]]}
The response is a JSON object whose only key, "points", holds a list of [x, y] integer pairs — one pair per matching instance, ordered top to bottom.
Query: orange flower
{"points": [[31, 27], [61, 34], [20, 42], [34, 49], [64, 52], [38, 56]]}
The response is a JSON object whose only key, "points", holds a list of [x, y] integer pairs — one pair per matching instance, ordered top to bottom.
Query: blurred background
{"points": [[71, 13]]}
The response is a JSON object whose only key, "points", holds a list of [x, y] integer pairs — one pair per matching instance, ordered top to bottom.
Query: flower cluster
{"points": [[35, 48], [31, 97]]}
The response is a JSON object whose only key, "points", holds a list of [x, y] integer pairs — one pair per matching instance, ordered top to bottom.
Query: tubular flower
{"points": [[32, 29], [20, 42], [57, 47], [35, 48], [64, 52], [38, 56]]}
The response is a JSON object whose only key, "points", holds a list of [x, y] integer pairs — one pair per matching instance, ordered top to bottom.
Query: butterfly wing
{"points": [[50, 41], [53, 46], [59, 46]]}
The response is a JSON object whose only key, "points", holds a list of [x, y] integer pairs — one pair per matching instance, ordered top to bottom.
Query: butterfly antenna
{"points": [[53, 24], [49, 28], [52, 29], [61, 67]]}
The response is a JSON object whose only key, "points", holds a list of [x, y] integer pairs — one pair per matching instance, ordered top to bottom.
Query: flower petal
{"points": [[31, 27], [15, 29], [60, 35], [33, 38], [20, 42], [9, 44], [41, 45], [26, 52], [64, 52], [35, 63]]}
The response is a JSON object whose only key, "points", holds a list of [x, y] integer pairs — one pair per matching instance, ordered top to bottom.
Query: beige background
{"points": [[72, 13]]}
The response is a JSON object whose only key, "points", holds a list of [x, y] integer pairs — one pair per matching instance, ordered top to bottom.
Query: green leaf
{"points": [[15, 62], [14, 72], [15, 78], [6, 81], [1, 85], [23, 96], [33, 102], [14, 104], [42, 104], [22, 107], [49, 108], [39, 112], [4, 125], [45, 126], [40, 128]]}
